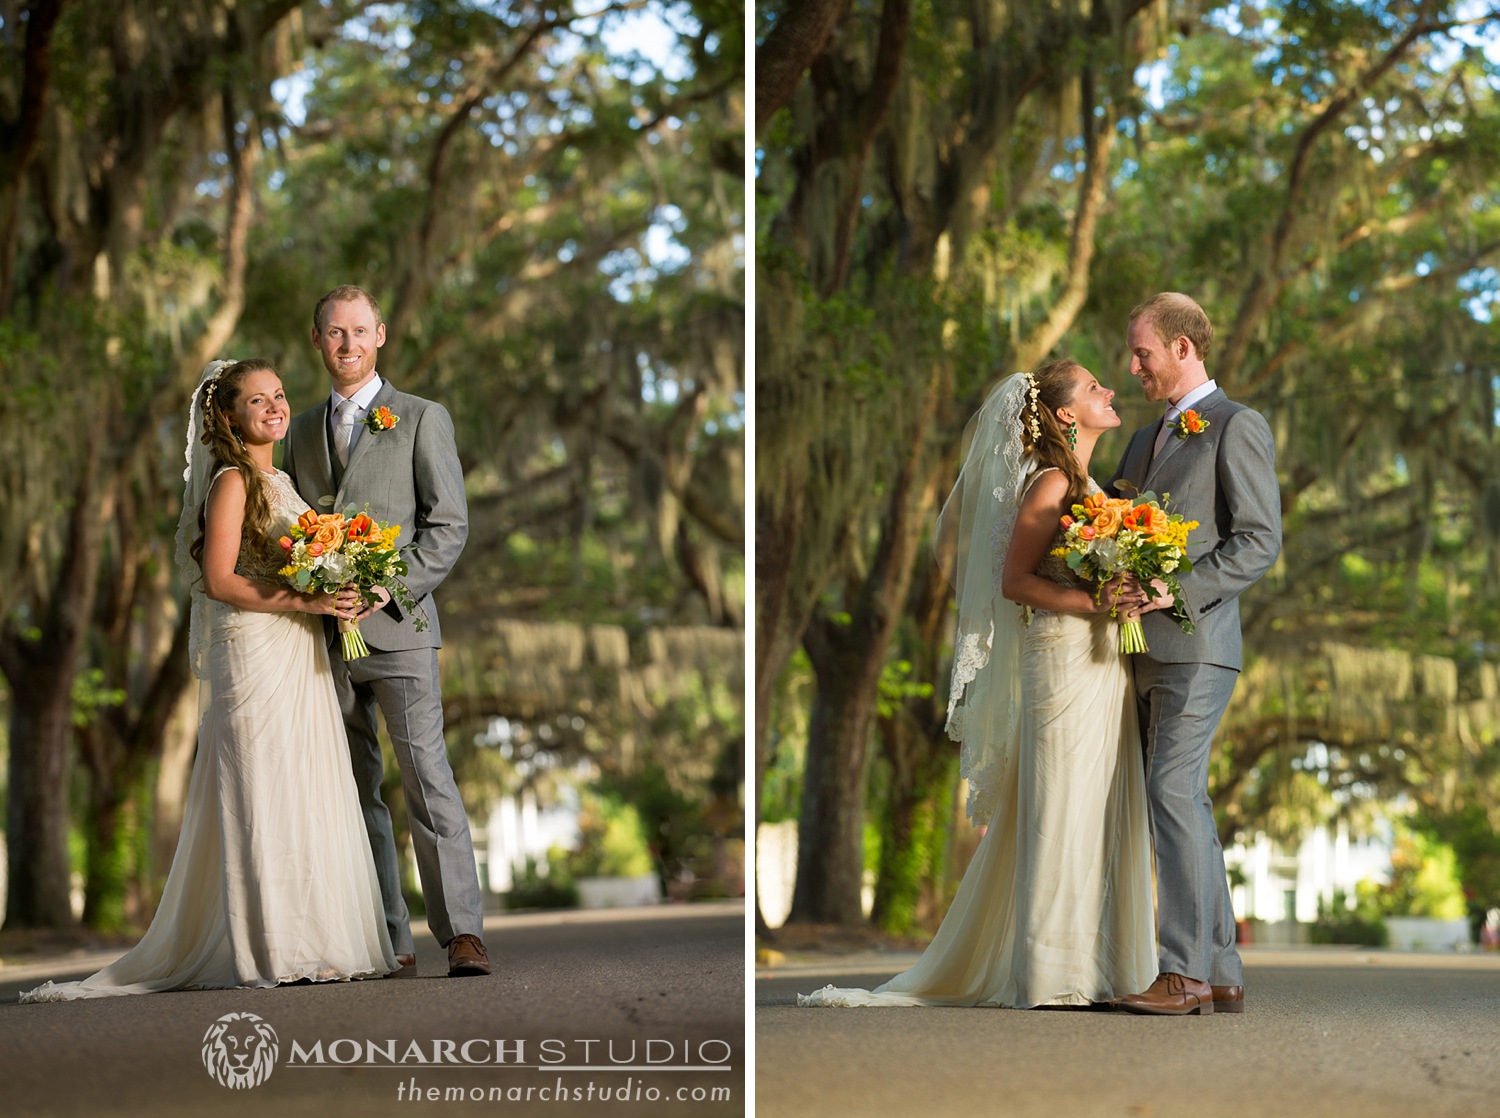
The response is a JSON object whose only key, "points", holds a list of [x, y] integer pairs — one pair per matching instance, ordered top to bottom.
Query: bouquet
{"points": [[1106, 536], [329, 551]]}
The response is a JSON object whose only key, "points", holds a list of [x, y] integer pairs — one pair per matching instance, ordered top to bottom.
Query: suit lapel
{"points": [[382, 399], [1204, 407], [314, 456], [1137, 461]]}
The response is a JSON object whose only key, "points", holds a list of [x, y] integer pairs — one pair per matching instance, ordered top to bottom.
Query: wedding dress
{"points": [[273, 879], [1056, 906]]}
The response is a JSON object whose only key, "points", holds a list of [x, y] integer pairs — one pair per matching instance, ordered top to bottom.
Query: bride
{"points": [[273, 880], [1055, 908]]}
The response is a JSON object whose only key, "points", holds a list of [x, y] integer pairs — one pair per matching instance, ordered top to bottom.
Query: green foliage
{"points": [[897, 687], [90, 694], [781, 790], [612, 841], [1475, 841], [1424, 879], [533, 889], [1361, 923]]}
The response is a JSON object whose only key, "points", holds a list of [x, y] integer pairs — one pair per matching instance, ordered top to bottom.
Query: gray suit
{"points": [[408, 475], [1224, 478]]}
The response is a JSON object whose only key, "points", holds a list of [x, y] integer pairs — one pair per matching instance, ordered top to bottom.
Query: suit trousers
{"points": [[404, 686], [1180, 706]]}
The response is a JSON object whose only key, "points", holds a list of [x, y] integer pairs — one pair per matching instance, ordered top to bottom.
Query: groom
{"points": [[371, 445], [1216, 459]]}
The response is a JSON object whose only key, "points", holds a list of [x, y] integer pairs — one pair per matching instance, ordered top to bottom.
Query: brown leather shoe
{"points": [[466, 955], [406, 966], [1173, 995], [1229, 999]]}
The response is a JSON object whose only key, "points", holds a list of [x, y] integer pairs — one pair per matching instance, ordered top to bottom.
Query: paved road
{"points": [[635, 993], [1327, 1032]]}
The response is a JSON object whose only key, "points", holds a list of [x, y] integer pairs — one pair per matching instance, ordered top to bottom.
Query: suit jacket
{"points": [[407, 475], [1224, 478]]}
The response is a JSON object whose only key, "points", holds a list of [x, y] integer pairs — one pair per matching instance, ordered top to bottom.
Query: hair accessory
{"points": [[1033, 423]]}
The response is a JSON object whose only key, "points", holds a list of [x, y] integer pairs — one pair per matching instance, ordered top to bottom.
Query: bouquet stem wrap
{"points": [[352, 641]]}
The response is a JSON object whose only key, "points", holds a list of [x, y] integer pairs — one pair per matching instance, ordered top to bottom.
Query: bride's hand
{"points": [[1122, 594], [344, 605]]}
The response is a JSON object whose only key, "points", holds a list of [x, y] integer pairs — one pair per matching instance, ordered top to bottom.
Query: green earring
{"points": [[1073, 435]]}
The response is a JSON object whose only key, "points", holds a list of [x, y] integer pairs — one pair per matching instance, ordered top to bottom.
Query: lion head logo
{"points": [[239, 1050]]}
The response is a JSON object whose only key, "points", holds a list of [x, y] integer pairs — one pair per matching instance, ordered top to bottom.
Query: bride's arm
{"points": [[223, 523], [1037, 524]]}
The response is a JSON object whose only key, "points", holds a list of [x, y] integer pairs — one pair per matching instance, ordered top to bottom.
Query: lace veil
{"points": [[196, 478], [975, 526]]}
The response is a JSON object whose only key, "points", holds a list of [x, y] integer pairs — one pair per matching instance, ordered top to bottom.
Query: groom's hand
{"points": [[381, 596], [1162, 598]]}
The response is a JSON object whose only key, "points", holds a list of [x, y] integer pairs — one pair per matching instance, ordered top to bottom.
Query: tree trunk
{"points": [[798, 36], [776, 638], [41, 728], [830, 847]]}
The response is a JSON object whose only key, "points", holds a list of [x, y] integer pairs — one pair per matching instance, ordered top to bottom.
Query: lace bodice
{"points": [[262, 559]]}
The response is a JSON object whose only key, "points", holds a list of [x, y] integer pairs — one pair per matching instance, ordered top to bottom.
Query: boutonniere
{"points": [[381, 419], [1190, 423]]}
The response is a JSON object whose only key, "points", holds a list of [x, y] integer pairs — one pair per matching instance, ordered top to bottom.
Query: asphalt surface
{"points": [[633, 1012], [1326, 1032]]}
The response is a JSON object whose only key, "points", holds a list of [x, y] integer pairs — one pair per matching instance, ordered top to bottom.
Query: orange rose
{"points": [[1107, 521], [1155, 523], [329, 532]]}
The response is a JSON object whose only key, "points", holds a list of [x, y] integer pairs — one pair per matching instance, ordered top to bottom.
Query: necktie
{"points": [[343, 430], [1167, 430]]}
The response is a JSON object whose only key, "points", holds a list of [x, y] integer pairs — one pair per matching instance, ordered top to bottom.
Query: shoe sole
{"points": [[469, 970], [1202, 1009]]}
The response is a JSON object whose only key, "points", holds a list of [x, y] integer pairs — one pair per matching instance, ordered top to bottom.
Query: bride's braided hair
{"points": [[218, 396], [1042, 434]]}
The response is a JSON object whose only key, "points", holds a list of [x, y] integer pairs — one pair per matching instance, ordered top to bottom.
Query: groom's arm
{"points": [[1246, 477], [442, 522]]}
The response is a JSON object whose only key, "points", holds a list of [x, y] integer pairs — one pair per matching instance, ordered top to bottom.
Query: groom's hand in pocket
{"points": [[379, 596]]}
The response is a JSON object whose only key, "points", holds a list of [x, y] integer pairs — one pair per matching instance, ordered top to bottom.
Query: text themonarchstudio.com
{"points": [[631, 1090]]}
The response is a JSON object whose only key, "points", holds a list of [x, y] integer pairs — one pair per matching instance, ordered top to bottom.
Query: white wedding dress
{"points": [[273, 880], [1056, 907]]}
